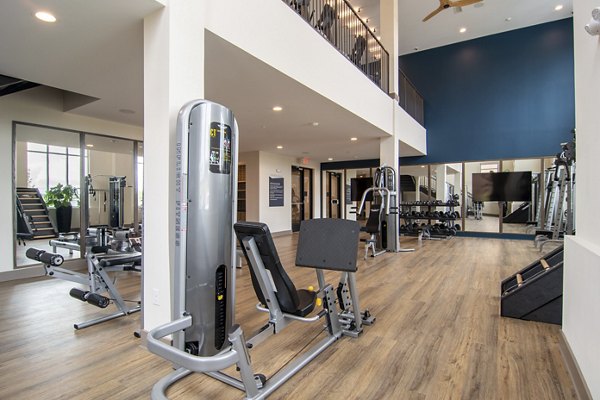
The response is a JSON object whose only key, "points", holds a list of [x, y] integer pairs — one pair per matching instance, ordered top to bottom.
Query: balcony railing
{"points": [[337, 21], [410, 99]]}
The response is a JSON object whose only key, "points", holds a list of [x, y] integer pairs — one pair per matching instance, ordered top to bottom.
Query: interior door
{"points": [[334, 182], [302, 193]]}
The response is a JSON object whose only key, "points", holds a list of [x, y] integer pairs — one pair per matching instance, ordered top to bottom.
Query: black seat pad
{"points": [[291, 300], [306, 304]]}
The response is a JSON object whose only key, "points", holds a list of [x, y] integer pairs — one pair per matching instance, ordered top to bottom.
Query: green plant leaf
{"points": [[60, 195]]}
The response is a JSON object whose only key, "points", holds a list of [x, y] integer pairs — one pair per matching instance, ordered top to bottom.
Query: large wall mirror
{"points": [[459, 181], [69, 184]]}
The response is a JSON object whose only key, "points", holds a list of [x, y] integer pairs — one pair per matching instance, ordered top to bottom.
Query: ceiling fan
{"points": [[444, 4]]}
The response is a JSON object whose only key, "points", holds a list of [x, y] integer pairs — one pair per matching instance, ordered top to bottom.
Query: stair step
{"points": [[38, 223], [45, 231], [44, 236]]}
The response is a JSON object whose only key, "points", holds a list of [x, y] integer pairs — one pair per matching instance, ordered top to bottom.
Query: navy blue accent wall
{"points": [[509, 95]]}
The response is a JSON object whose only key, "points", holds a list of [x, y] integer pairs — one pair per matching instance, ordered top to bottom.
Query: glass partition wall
{"points": [[52, 162], [446, 182]]}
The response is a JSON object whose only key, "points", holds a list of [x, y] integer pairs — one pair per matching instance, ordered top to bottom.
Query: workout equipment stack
{"points": [[413, 214], [559, 215], [382, 222], [122, 253], [205, 336]]}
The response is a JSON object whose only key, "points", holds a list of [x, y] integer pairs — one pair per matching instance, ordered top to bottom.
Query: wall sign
{"points": [[275, 191], [348, 194]]}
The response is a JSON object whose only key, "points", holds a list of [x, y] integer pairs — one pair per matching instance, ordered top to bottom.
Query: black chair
{"points": [[291, 301]]}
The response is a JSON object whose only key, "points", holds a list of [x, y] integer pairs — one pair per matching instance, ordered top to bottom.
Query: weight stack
{"points": [[206, 183]]}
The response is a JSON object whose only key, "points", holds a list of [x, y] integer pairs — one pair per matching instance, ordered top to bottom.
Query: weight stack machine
{"points": [[206, 176], [116, 195]]}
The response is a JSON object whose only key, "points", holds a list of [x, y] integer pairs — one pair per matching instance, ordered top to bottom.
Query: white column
{"points": [[388, 21], [173, 75], [389, 153], [440, 186], [7, 203], [581, 301]]}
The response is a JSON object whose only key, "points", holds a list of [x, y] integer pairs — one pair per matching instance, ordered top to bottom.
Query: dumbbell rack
{"points": [[426, 231]]}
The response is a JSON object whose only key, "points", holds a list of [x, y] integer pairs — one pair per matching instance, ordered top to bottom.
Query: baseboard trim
{"points": [[281, 233], [37, 270], [22, 273], [144, 338], [581, 388]]}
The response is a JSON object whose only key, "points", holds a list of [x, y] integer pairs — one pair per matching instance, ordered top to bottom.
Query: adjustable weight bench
{"points": [[97, 278]]}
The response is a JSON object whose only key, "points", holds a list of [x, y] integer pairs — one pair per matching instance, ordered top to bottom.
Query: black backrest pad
{"points": [[374, 219], [328, 243], [286, 291]]}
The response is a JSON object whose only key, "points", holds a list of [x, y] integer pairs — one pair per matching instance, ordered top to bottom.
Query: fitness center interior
{"points": [[410, 184]]}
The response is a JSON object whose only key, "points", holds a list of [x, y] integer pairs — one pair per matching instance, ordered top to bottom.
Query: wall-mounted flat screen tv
{"points": [[502, 186], [358, 187]]}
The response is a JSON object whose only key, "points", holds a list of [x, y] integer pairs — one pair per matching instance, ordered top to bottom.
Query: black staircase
{"points": [[33, 220], [535, 292]]}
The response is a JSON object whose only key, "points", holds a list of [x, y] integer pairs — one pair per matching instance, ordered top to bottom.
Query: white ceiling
{"points": [[486, 18], [96, 49], [251, 88]]}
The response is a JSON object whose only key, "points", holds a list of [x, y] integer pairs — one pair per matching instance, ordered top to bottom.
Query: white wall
{"points": [[283, 40], [173, 76], [40, 106], [409, 131], [279, 219], [581, 300]]}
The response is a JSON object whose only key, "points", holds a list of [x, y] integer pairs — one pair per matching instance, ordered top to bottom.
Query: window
{"points": [[48, 165], [489, 168]]}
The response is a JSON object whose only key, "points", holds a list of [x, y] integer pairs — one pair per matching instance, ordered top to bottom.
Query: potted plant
{"points": [[60, 197]]}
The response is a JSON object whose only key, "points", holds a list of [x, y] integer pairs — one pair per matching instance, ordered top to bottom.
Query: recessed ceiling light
{"points": [[558, 7], [45, 16], [508, 19], [462, 30], [277, 108], [126, 111], [315, 123], [353, 139], [89, 145], [280, 147], [330, 159], [422, 166]]}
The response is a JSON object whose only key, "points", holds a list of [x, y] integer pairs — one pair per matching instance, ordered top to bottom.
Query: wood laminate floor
{"points": [[438, 335]]}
